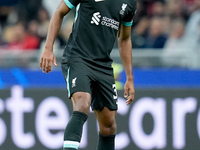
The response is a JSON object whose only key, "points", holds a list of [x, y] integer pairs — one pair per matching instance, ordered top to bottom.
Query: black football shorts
{"points": [[81, 77]]}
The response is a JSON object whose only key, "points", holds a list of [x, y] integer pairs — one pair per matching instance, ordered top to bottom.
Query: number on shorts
{"points": [[115, 90]]}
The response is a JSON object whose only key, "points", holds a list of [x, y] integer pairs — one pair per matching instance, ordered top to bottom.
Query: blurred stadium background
{"points": [[166, 57]]}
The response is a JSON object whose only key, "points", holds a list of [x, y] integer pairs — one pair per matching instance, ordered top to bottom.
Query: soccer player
{"points": [[86, 63]]}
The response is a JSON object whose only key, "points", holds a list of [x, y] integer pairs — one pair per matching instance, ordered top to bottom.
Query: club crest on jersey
{"points": [[123, 9], [74, 82]]}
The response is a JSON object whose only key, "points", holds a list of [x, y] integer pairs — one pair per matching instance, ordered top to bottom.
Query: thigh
{"points": [[76, 77], [104, 94], [106, 120]]}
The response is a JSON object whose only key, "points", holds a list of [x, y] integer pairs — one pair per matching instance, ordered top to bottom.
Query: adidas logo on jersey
{"points": [[96, 18]]}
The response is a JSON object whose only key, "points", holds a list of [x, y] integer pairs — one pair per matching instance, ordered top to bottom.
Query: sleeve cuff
{"points": [[67, 2], [127, 23]]}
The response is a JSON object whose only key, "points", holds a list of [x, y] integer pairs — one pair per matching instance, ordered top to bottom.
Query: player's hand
{"points": [[46, 60], [129, 91]]}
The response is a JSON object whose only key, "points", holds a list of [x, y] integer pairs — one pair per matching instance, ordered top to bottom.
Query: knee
{"points": [[81, 103], [85, 108], [108, 128]]}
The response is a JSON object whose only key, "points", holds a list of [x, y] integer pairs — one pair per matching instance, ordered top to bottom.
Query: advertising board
{"points": [[35, 119]]}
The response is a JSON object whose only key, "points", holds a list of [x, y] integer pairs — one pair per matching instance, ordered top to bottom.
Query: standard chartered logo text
{"points": [[96, 19], [110, 23]]}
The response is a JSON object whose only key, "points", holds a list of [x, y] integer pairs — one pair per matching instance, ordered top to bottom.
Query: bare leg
{"points": [[81, 102], [81, 107], [108, 127]]}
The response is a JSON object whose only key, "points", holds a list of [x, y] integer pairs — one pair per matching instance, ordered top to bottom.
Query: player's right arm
{"points": [[47, 56]]}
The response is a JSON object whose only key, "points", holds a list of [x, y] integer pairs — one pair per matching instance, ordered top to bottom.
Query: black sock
{"points": [[73, 131], [106, 142]]}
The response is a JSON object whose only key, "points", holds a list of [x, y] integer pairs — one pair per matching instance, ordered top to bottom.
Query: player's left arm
{"points": [[125, 49]]}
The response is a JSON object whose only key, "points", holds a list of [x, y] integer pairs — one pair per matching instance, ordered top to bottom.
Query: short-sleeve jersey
{"points": [[95, 28]]}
